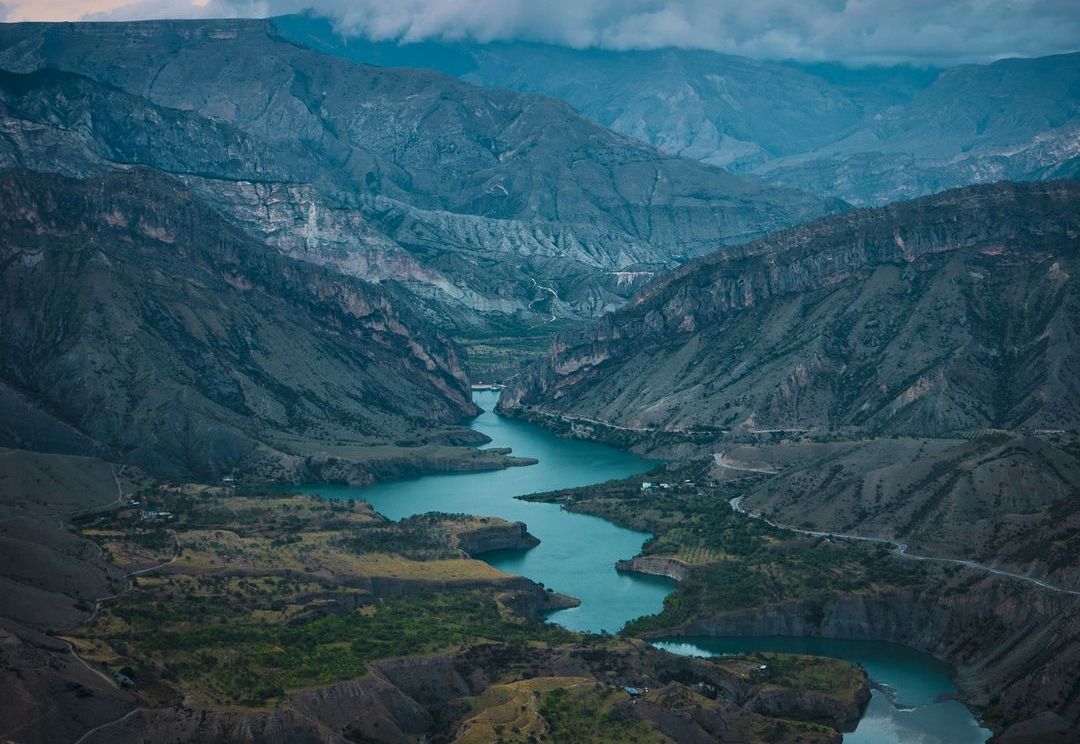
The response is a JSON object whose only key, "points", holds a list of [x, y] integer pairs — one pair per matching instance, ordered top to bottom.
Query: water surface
{"points": [[577, 552], [904, 710]]}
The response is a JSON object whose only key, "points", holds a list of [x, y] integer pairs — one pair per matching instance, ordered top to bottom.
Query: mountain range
{"points": [[866, 135], [496, 210], [256, 251]]}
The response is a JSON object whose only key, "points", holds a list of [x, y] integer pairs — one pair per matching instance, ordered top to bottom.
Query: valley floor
{"points": [[209, 613]]}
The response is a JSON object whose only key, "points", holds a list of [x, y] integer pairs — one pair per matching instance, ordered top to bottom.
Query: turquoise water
{"points": [[577, 553], [905, 712]]}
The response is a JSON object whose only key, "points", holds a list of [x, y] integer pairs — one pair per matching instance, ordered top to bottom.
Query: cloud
{"points": [[855, 31]]}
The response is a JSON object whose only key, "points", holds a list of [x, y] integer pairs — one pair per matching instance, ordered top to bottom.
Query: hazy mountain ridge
{"points": [[868, 136], [396, 174], [945, 313], [136, 314]]}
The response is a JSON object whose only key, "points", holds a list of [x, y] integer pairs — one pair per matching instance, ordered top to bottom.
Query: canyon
{"points": [[466, 197], [253, 271]]}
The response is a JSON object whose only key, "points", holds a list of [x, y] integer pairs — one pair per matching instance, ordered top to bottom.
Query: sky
{"points": [[851, 31]]}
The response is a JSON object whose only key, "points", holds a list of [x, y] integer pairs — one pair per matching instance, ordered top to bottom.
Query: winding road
{"points": [[554, 296], [618, 427], [899, 548], [97, 608], [121, 719]]}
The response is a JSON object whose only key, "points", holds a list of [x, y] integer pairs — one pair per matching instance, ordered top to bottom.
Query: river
{"points": [[577, 552], [577, 556]]}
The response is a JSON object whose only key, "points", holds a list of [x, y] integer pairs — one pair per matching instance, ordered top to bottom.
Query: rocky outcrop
{"points": [[941, 314], [497, 534], [671, 568], [536, 602], [1013, 646], [808, 705], [374, 707]]}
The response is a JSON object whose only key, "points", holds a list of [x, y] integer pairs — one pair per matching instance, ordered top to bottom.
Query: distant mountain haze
{"points": [[855, 33], [867, 135]]}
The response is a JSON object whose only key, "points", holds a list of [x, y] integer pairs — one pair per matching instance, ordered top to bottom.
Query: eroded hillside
{"points": [[938, 315]]}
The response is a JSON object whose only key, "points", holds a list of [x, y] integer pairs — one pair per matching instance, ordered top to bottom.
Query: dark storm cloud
{"points": [[856, 31]]}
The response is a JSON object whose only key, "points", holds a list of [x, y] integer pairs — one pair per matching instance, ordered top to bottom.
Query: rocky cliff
{"points": [[945, 313], [135, 314], [1004, 501], [495, 534], [670, 568]]}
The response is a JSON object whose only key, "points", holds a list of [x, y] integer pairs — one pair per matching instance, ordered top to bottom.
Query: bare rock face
{"points": [[469, 197], [946, 313], [137, 315], [1003, 500], [670, 568], [807, 704]]}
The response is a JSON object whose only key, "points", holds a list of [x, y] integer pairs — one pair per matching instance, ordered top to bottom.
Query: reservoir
{"points": [[577, 556]]}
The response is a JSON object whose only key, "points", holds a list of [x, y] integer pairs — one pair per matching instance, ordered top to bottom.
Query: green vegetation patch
{"points": [[424, 537], [733, 562], [235, 655], [835, 678], [591, 715]]}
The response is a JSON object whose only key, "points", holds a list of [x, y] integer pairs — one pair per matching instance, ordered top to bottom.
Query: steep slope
{"points": [[868, 136], [468, 196], [945, 313], [134, 314], [52, 578]]}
